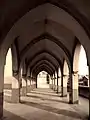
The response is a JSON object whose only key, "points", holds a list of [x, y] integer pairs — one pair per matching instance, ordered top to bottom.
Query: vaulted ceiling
{"points": [[46, 32]]}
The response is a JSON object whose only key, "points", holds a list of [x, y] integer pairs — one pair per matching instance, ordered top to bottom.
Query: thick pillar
{"points": [[31, 79], [50, 82], [53, 82], [34, 83], [28, 84], [59, 84], [24, 85], [64, 85], [55, 86], [75, 87], [15, 88], [1, 92], [89, 93], [73, 94], [1, 104]]}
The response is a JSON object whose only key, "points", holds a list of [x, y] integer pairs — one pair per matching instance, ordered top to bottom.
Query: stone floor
{"points": [[45, 104]]}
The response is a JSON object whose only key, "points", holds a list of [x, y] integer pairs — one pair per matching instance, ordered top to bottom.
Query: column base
{"points": [[50, 85], [32, 87], [55, 87], [28, 89], [59, 89], [24, 91], [64, 92], [15, 96], [74, 97], [73, 102], [1, 105]]}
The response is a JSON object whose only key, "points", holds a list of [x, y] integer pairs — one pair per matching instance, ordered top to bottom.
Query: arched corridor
{"points": [[43, 73]]}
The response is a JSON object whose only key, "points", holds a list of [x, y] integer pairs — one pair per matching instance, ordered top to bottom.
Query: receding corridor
{"points": [[45, 60], [45, 104]]}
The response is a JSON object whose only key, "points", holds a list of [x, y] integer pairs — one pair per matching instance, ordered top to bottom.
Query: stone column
{"points": [[50, 82], [53, 82], [31, 83], [34, 83], [28, 84], [59, 84], [24, 85], [64, 85], [75, 87], [15, 88], [1, 90], [89, 93], [73, 94], [1, 104]]}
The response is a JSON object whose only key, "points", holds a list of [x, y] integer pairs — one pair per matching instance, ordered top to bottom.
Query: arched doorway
{"points": [[80, 73], [8, 76], [42, 80]]}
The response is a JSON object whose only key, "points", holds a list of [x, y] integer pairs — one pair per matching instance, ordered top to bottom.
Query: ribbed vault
{"points": [[45, 29], [42, 62]]}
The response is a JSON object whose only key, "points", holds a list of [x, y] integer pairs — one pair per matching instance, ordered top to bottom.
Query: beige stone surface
{"points": [[45, 104]]}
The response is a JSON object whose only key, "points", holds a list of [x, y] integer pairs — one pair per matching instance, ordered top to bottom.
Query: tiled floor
{"points": [[45, 104]]}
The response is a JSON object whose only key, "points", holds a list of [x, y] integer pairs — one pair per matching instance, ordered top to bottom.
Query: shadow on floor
{"points": [[43, 90], [56, 95], [33, 96], [54, 110], [10, 116]]}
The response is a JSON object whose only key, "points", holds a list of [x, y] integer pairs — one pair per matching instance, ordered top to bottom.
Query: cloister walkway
{"points": [[45, 104]]}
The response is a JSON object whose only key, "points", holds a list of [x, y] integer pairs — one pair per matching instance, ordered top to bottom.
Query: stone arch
{"points": [[50, 38], [46, 52], [41, 56], [41, 62], [43, 67], [76, 72]]}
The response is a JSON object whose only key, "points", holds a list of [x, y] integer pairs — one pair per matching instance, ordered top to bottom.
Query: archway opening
{"points": [[83, 68], [8, 76], [80, 76], [65, 78], [43, 80]]}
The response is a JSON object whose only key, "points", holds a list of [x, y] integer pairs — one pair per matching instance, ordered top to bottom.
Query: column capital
{"points": [[15, 72], [75, 72], [24, 75], [64, 75], [59, 76], [28, 77]]}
